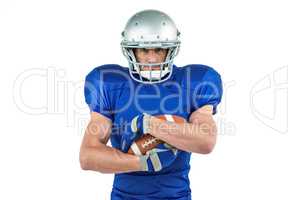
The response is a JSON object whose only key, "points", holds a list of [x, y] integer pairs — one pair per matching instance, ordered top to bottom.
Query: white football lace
{"points": [[149, 142]]}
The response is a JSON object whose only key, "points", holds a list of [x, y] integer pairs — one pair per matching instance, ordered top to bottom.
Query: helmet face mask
{"points": [[150, 29]]}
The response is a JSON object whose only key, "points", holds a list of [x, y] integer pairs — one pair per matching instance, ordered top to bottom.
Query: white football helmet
{"points": [[150, 29]]}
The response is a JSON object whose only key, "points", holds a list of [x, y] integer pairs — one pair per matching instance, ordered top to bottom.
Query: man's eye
{"points": [[144, 50], [158, 50]]}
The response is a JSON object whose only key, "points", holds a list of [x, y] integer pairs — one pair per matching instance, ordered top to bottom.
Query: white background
{"points": [[47, 48]]}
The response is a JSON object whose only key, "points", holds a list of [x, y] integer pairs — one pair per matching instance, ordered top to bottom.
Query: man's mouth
{"points": [[148, 68]]}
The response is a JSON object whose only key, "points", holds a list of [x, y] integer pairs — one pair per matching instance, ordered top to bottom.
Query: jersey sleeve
{"points": [[209, 91], [96, 95]]}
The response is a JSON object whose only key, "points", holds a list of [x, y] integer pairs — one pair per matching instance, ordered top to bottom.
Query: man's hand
{"points": [[139, 125], [158, 158]]}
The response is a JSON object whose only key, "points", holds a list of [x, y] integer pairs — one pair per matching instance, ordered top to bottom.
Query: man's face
{"points": [[149, 56]]}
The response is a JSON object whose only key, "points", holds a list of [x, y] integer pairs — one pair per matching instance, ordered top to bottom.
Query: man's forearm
{"points": [[190, 137], [108, 160]]}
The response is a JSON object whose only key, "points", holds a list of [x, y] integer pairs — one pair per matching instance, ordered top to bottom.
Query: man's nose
{"points": [[152, 56]]}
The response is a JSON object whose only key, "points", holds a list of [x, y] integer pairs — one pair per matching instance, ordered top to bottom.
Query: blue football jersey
{"points": [[110, 91]]}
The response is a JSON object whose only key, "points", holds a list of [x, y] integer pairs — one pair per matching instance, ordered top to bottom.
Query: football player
{"points": [[124, 102]]}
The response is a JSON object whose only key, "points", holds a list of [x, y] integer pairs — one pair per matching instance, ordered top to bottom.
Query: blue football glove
{"points": [[139, 125], [158, 158]]}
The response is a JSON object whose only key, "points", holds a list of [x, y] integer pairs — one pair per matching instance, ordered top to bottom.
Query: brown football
{"points": [[147, 142]]}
